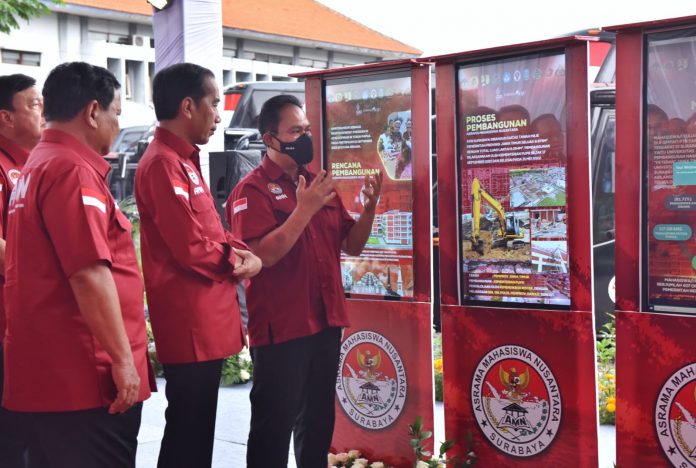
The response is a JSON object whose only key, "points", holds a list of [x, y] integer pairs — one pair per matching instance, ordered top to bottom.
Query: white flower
{"points": [[244, 374], [354, 454], [342, 457], [332, 459], [361, 461], [422, 464], [358, 465], [377, 465]]}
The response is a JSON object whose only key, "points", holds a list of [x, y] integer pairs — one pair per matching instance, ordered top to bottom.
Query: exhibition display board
{"points": [[367, 120], [368, 128], [656, 247], [515, 253]]}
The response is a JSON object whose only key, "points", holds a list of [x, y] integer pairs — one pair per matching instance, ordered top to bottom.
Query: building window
{"points": [[227, 52], [21, 57], [272, 58]]}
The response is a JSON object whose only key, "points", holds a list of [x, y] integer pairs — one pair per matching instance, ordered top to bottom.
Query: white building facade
{"points": [[123, 42]]}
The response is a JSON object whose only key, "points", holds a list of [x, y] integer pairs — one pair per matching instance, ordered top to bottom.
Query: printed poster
{"points": [[369, 129], [670, 129], [512, 134]]}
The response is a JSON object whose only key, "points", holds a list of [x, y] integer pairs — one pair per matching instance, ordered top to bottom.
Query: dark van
{"points": [[245, 101]]}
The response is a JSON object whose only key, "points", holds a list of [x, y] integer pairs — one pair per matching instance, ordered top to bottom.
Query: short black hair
{"points": [[174, 84], [11, 85], [71, 86], [269, 117]]}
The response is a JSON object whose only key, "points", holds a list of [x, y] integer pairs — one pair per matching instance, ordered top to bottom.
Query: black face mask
{"points": [[300, 150]]}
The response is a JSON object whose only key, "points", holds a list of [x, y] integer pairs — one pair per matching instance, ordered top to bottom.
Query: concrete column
{"points": [[191, 31], [63, 36]]}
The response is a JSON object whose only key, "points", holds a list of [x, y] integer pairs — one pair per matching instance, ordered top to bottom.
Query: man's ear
{"points": [[186, 107], [90, 113], [6, 119], [267, 139]]}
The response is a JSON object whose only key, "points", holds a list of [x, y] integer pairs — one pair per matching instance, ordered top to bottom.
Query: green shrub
{"points": [[606, 372]]}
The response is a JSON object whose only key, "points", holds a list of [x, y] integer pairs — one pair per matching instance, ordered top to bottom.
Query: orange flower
{"points": [[438, 365], [611, 407]]}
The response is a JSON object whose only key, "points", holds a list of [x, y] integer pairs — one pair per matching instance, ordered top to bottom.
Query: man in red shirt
{"points": [[21, 121], [294, 221], [190, 263], [73, 292]]}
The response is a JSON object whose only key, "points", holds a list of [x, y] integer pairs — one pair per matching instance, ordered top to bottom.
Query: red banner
{"points": [[385, 380], [522, 382], [656, 390]]}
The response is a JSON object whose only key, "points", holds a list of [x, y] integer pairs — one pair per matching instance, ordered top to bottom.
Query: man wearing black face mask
{"points": [[293, 220]]}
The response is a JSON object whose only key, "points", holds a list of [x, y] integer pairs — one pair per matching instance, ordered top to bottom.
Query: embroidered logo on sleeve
{"points": [[180, 188], [93, 198], [239, 205]]}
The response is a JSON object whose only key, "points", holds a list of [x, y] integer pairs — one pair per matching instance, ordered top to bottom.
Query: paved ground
{"points": [[233, 426]]}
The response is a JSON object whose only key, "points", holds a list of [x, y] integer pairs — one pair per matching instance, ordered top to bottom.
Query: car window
{"points": [[250, 117], [127, 139], [604, 177]]}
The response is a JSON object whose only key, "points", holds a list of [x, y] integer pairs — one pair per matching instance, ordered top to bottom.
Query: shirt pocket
{"points": [[282, 212], [205, 213], [331, 219], [122, 247]]}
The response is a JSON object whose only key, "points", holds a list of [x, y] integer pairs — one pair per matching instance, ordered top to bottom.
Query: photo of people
{"points": [[394, 145]]}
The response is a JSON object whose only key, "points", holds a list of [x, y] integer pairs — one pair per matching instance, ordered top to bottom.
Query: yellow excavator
{"points": [[509, 234]]}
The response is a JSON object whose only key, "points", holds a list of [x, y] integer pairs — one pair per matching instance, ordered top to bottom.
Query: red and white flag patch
{"points": [[180, 188], [93, 198], [239, 205]]}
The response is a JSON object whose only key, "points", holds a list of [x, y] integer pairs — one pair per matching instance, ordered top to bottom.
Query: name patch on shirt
{"points": [[180, 188], [198, 190], [281, 197], [93, 198], [239, 205]]}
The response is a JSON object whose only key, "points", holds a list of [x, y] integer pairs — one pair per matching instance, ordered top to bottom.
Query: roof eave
{"points": [[102, 13], [682, 20], [311, 43], [510, 49], [363, 68]]}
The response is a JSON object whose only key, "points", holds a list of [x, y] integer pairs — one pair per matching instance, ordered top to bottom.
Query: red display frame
{"points": [[421, 181], [578, 190], [406, 322], [492, 326], [660, 342]]}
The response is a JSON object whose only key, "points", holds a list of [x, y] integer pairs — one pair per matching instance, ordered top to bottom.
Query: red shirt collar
{"points": [[182, 147], [18, 154], [94, 159], [275, 172]]}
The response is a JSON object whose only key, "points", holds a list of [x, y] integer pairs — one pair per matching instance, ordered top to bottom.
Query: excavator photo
{"points": [[508, 236]]}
